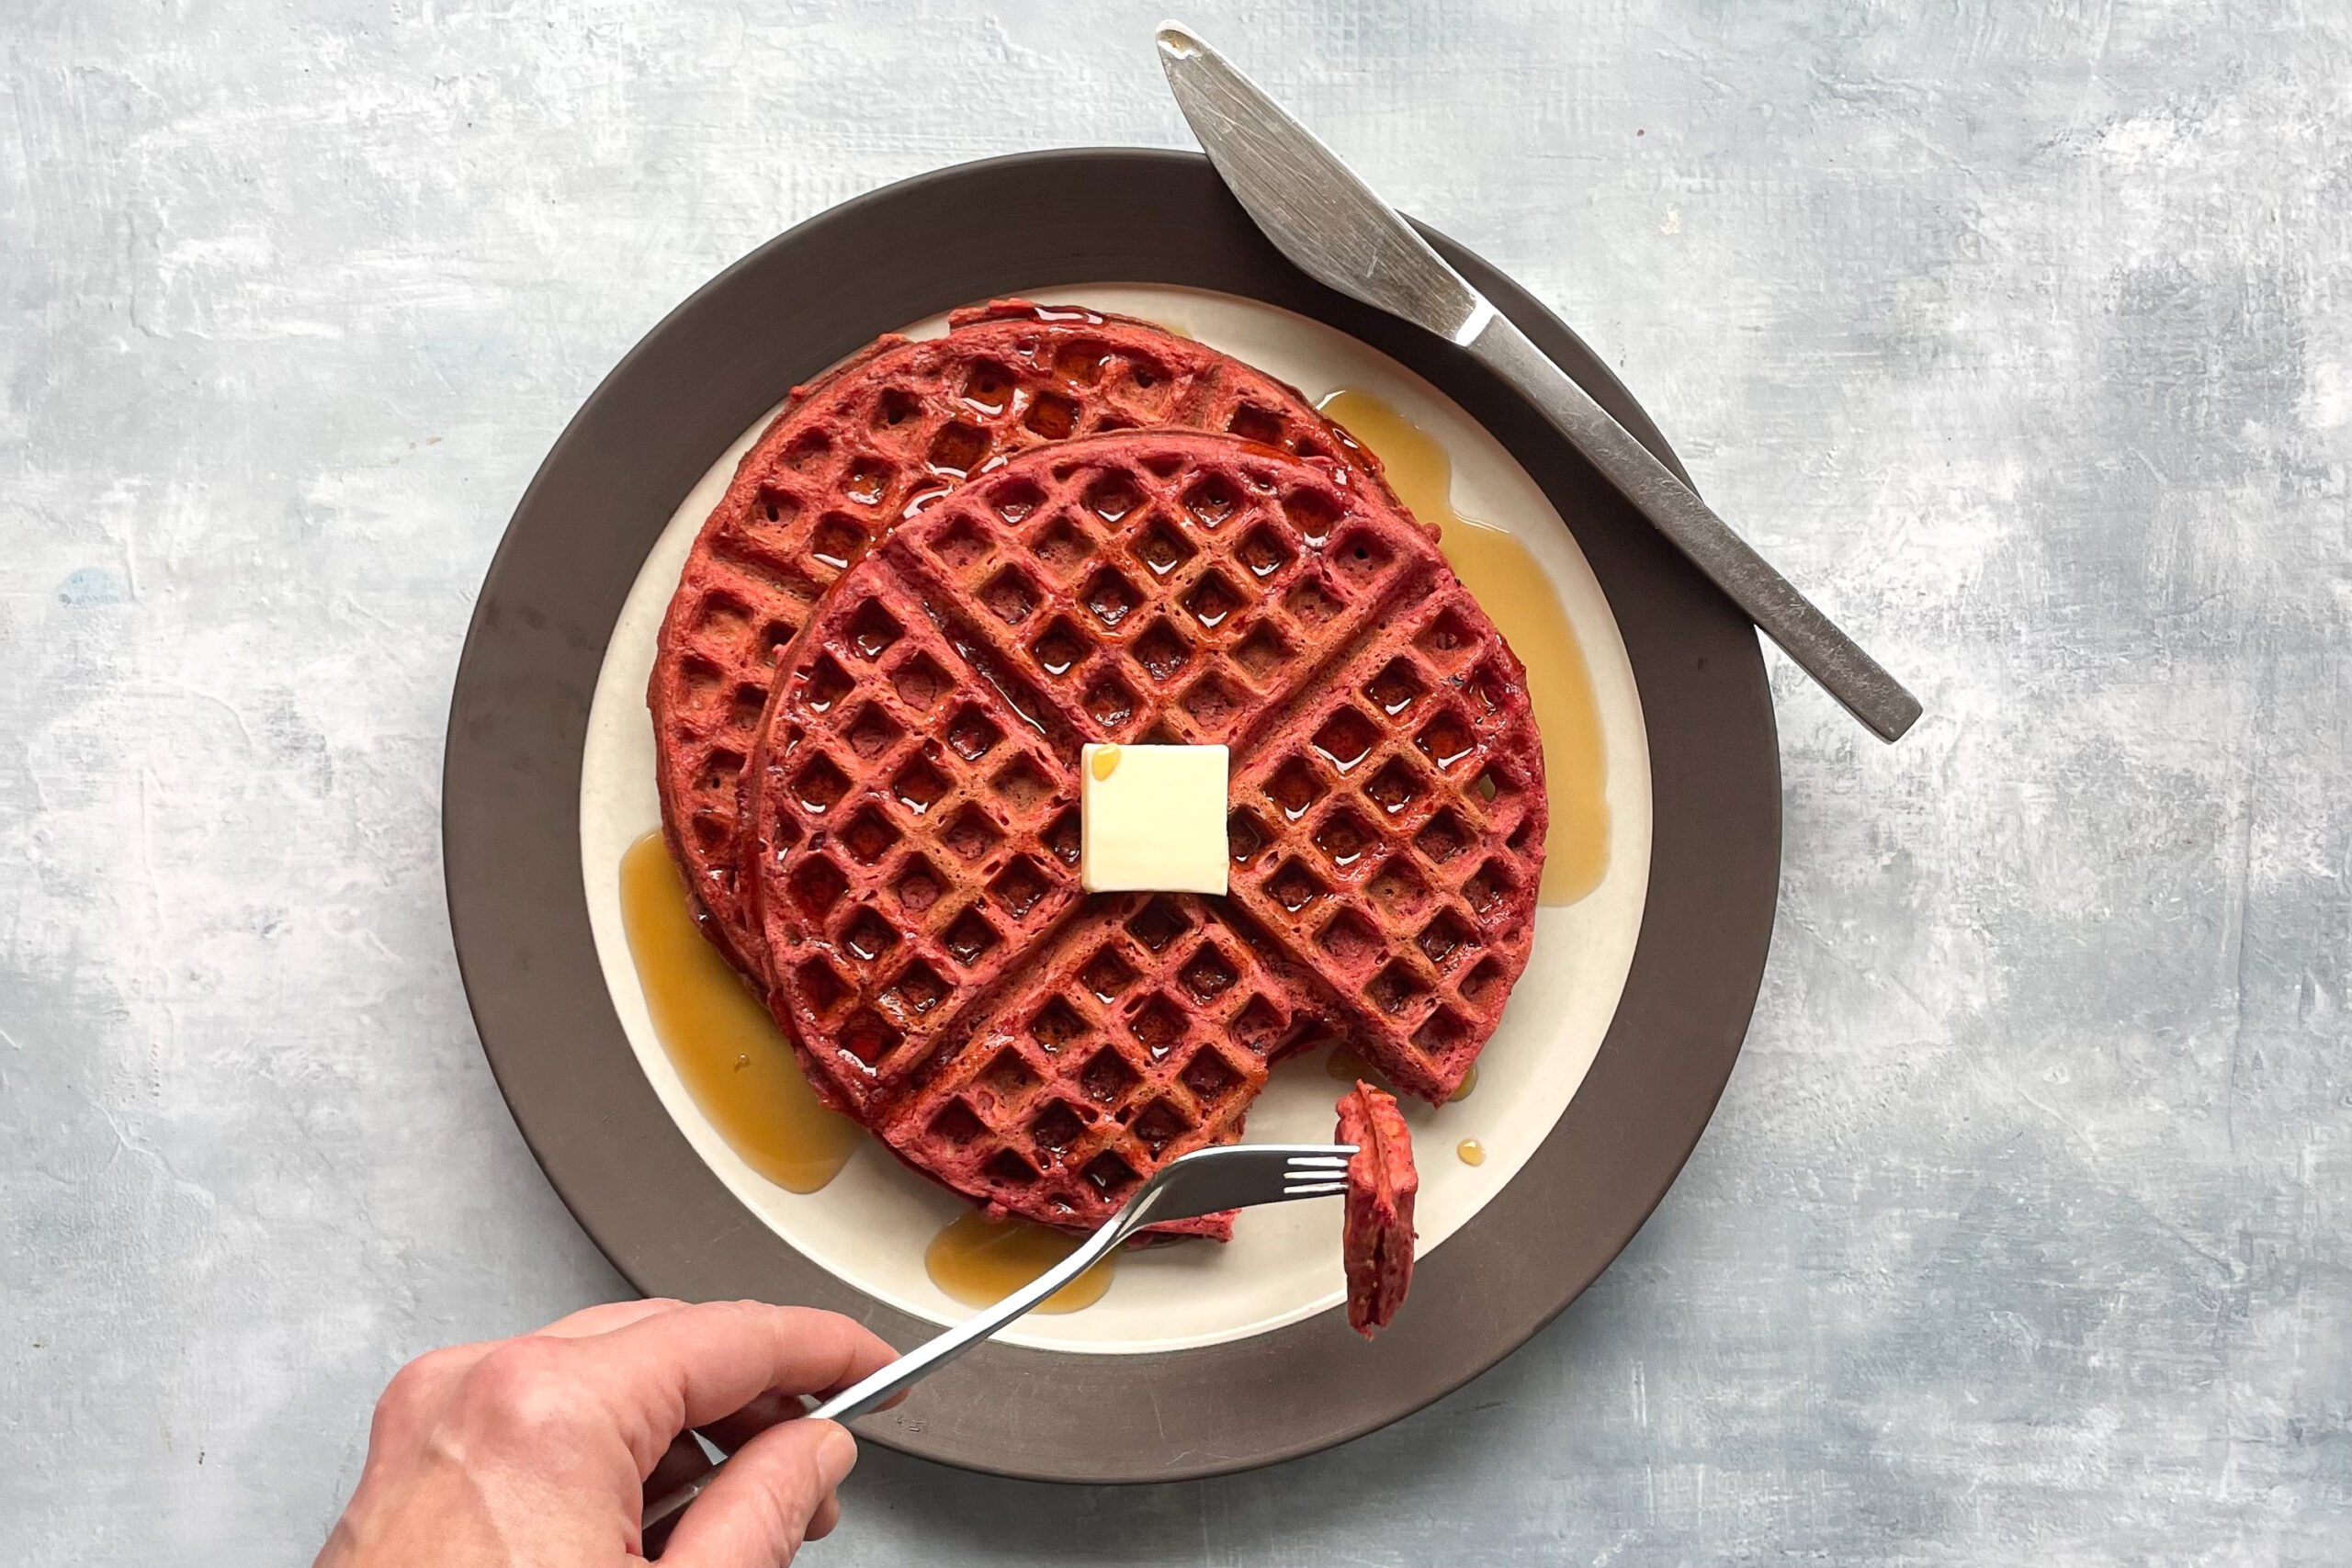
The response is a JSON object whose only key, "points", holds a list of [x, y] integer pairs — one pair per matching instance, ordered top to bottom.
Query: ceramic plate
{"points": [[1200, 1359]]}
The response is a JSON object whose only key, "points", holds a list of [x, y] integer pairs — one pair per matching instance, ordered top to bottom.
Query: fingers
{"points": [[607, 1317], [693, 1365], [731, 1432], [683, 1462], [775, 1494], [829, 1514]]}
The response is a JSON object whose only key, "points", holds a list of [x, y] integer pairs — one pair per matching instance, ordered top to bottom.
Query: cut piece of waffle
{"points": [[874, 442], [1391, 826], [918, 829], [1139, 1032], [1042, 1049], [1376, 1233]]}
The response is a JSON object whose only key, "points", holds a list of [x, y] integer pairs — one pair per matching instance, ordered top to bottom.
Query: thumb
{"points": [[757, 1511]]}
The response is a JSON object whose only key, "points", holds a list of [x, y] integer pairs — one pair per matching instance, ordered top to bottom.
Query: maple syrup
{"points": [[1519, 598], [727, 1050], [1347, 1065], [980, 1261]]}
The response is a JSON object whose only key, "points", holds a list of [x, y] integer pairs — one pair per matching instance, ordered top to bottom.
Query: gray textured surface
{"points": [[2018, 333]]}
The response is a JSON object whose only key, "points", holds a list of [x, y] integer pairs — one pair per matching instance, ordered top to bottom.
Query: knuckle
{"points": [[746, 1308], [749, 1312], [415, 1386], [525, 1388]]}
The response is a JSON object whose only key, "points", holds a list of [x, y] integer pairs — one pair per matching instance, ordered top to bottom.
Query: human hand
{"points": [[535, 1450]]}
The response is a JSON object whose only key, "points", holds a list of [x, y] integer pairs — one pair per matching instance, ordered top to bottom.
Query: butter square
{"points": [[1152, 819]]}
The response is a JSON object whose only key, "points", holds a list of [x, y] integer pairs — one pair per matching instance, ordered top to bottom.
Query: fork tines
{"points": [[1315, 1176]]}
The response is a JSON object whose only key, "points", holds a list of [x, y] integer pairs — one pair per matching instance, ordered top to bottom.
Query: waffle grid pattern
{"points": [[849, 459], [1147, 562], [1175, 608], [1401, 804], [924, 824], [1143, 1034]]}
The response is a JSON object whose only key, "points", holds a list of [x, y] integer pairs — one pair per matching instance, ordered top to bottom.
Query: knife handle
{"points": [[1780, 611]]}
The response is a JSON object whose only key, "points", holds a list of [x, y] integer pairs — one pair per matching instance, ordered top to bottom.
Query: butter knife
{"points": [[1336, 231]]}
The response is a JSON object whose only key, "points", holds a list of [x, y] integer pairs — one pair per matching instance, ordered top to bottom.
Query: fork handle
{"points": [[1817, 644], [941, 1348], [925, 1359]]}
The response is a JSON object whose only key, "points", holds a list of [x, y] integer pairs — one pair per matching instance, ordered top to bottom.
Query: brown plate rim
{"points": [[518, 910]]}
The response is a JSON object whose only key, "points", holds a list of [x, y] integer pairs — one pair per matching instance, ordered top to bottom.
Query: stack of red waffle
{"points": [[934, 579]]}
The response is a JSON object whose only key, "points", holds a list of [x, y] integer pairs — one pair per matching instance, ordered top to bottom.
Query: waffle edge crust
{"points": [[875, 441], [913, 833], [1377, 1236]]}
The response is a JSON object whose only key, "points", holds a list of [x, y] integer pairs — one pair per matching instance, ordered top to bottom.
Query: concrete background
{"points": [[2018, 333]]}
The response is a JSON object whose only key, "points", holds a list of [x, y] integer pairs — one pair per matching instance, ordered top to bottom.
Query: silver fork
{"points": [[1238, 1176]]}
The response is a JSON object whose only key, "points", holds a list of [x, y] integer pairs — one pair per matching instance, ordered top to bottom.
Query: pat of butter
{"points": [[1152, 819]]}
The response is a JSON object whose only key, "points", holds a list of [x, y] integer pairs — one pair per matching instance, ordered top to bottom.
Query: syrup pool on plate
{"points": [[1520, 599], [727, 1050], [1345, 1065], [980, 1261]]}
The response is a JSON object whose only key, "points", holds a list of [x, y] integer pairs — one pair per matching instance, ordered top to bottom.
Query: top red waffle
{"points": [[871, 444], [912, 813]]}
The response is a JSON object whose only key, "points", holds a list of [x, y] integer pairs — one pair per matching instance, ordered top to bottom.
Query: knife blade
{"points": [[1336, 229]]}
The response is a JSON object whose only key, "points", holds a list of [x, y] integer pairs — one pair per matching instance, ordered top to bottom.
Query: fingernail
{"points": [[836, 1454]]}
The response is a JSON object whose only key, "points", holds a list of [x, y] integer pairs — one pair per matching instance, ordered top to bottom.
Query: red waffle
{"points": [[872, 443], [912, 811], [1377, 1236]]}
